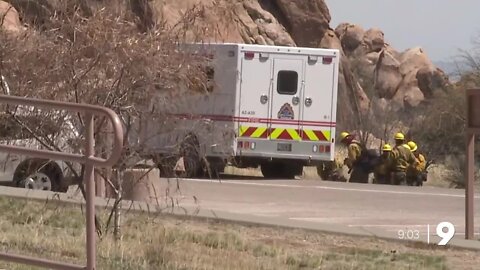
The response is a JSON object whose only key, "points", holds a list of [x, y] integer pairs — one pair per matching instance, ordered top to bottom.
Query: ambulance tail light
{"points": [[249, 55], [327, 60], [246, 145], [321, 149]]}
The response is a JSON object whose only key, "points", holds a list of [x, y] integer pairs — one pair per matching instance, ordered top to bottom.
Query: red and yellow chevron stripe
{"points": [[285, 134]]}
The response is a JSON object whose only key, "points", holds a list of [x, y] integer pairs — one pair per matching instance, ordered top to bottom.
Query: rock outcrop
{"points": [[10, 18], [305, 20], [369, 64], [403, 78], [350, 91]]}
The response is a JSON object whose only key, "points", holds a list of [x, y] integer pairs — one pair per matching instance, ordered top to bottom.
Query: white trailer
{"points": [[271, 106]]}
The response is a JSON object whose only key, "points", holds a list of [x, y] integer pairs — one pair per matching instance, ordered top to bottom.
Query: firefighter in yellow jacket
{"points": [[399, 140], [403, 159], [385, 165], [358, 173], [416, 174]]}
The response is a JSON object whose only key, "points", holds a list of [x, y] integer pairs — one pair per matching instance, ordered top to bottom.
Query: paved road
{"points": [[342, 207], [368, 207]]}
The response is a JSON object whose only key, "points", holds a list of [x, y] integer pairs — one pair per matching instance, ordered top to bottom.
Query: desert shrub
{"points": [[103, 59], [439, 126]]}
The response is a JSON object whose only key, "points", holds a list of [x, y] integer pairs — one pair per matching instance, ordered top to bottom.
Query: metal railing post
{"points": [[473, 129], [88, 158], [90, 190]]}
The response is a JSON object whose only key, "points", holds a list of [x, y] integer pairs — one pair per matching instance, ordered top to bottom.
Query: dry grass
{"points": [[164, 242]]}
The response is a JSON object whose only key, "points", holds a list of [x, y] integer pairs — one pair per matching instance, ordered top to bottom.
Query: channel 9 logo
{"points": [[445, 230]]}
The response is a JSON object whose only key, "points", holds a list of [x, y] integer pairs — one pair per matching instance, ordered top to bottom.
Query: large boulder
{"points": [[11, 20], [305, 20], [241, 21], [267, 26], [340, 29], [352, 37], [330, 40], [374, 40], [372, 58], [414, 59], [387, 75], [405, 78], [387, 80], [430, 80], [408, 92], [413, 97], [354, 100]]}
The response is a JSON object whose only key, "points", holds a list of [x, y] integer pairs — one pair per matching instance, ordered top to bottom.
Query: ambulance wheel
{"points": [[270, 170], [281, 170], [291, 170], [324, 171]]}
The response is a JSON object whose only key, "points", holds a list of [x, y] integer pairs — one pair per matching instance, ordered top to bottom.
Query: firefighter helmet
{"points": [[344, 135], [399, 136], [413, 146], [387, 148]]}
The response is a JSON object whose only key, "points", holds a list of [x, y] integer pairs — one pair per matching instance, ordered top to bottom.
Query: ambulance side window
{"points": [[287, 81]]}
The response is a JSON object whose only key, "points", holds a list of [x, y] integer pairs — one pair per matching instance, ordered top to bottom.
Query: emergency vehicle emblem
{"points": [[286, 112]]}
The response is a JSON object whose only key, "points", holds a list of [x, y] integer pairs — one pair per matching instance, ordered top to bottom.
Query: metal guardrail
{"points": [[88, 159]]}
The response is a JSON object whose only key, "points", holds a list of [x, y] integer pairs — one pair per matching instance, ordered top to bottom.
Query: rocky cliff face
{"points": [[371, 70], [403, 78]]}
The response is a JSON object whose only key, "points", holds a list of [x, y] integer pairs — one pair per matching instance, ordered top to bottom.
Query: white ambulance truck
{"points": [[271, 107]]}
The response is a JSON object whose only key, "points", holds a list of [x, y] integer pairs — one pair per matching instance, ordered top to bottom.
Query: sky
{"points": [[441, 27]]}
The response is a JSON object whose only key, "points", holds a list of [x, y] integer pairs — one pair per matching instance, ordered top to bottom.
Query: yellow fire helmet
{"points": [[344, 135], [399, 136], [413, 146], [387, 148]]}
